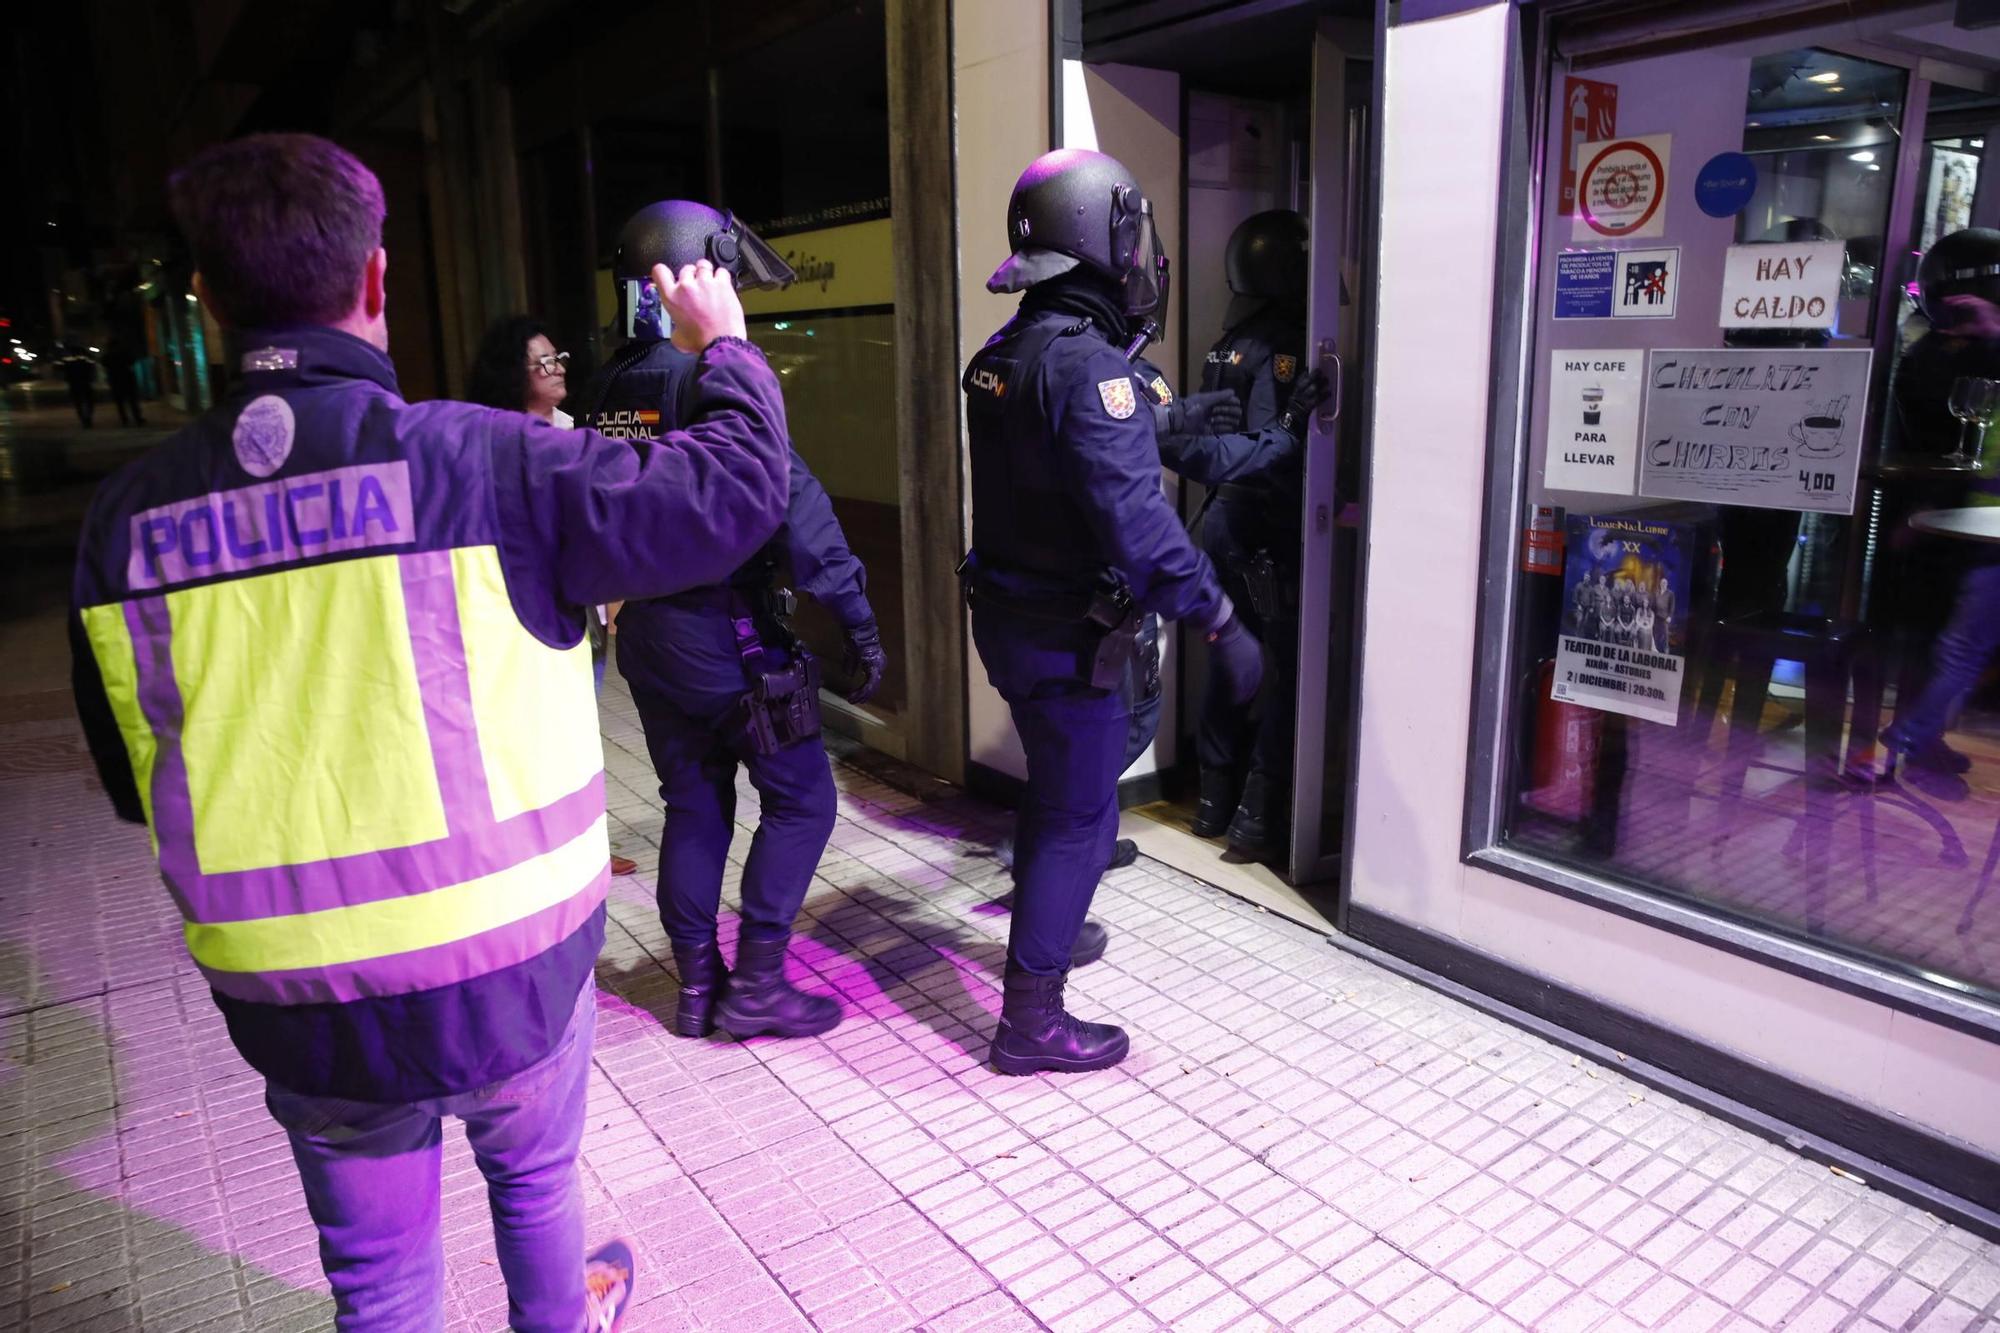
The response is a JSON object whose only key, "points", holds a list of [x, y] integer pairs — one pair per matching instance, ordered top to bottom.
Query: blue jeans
{"points": [[1963, 649], [371, 1175]]}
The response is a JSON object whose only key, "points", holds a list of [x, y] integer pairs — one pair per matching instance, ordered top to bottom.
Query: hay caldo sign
{"points": [[1773, 286]]}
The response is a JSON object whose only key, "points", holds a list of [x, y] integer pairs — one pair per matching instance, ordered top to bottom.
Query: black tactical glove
{"points": [[1310, 392], [1217, 412], [864, 662], [1235, 663]]}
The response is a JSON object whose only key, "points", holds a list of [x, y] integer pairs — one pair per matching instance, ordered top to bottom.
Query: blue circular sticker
{"points": [[1725, 185]]}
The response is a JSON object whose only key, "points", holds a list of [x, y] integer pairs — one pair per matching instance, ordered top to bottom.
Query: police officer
{"points": [[1251, 527], [1073, 545], [716, 673], [385, 828]]}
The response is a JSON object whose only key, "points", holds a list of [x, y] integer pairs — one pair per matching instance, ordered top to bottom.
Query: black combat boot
{"points": [[1217, 804], [1253, 831], [1123, 853], [701, 983], [758, 1001], [1036, 1033]]}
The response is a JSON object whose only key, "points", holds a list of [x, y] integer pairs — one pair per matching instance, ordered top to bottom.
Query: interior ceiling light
{"points": [[1824, 76], [1835, 88], [1824, 138], [1863, 156]]}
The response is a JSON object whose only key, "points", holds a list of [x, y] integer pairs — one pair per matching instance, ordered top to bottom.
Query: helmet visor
{"points": [[757, 264], [1147, 279]]}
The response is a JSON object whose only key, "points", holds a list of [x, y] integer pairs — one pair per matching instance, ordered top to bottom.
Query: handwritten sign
{"points": [[1776, 286], [1770, 428], [1593, 440]]}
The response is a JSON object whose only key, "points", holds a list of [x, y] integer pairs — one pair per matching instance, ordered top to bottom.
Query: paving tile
{"points": [[1299, 1142]]}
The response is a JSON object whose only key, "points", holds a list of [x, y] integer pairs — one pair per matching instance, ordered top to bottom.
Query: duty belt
{"points": [[1110, 610]]}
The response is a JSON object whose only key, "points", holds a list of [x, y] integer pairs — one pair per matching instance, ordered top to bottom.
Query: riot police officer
{"points": [[1251, 526], [1073, 545], [716, 673]]}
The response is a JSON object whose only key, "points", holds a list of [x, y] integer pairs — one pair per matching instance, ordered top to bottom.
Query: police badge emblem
{"points": [[1284, 367], [1161, 391], [1119, 400]]}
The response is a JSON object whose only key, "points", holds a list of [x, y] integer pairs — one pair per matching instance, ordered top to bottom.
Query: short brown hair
{"points": [[281, 226]]}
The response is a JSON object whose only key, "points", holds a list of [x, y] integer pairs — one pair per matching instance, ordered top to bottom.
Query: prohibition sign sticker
{"points": [[1621, 186]]}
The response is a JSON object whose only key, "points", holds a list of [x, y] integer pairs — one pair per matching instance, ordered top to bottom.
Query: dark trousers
{"points": [[125, 397], [84, 399], [1960, 657], [686, 680], [1257, 736], [1075, 740]]}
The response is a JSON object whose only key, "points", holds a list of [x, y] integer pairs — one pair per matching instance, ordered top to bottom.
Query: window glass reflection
{"points": [[1759, 581]]}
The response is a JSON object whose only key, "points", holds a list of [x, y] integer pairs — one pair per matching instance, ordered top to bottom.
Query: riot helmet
{"points": [[1076, 208], [679, 232], [1267, 256], [1965, 263]]}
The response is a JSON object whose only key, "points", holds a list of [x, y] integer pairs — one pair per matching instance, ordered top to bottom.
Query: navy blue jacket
{"points": [[1259, 357], [647, 389], [1213, 459], [1066, 472], [575, 520]]}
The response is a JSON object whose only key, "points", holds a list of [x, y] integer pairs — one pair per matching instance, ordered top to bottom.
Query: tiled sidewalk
{"points": [[1300, 1139]]}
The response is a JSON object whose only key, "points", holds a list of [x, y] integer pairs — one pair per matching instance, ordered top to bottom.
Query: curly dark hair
{"points": [[500, 372]]}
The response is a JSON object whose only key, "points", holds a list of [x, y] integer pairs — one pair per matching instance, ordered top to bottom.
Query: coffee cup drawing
{"points": [[1593, 405], [1817, 433]]}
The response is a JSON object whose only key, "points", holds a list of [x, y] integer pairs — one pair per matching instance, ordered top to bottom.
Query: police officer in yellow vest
{"points": [[330, 646]]}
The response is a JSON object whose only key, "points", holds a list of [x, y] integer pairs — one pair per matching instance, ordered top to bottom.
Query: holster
{"points": [[1273, 588], [1108, 609], [1113, 611], [781, 707]]}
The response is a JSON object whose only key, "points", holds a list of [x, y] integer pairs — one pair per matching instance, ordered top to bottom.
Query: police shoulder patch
{"points": [[1284, 367], [1161, 391], [1118, 398]]}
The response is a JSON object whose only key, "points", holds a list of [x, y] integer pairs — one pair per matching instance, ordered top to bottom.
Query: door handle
{"points": [[1329, 365]]}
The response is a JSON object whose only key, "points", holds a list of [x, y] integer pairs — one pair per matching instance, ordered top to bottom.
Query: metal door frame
{"points": [[1342, 177]]}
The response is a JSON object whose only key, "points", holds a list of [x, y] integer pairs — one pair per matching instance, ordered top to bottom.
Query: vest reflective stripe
{"points": [[310, 744], [403, 923]]}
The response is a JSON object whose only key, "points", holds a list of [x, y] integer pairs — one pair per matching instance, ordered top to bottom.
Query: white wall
{"points": [[1443, 105]]}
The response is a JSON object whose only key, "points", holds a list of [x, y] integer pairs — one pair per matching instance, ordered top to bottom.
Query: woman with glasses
{"points": [[519, 369]]}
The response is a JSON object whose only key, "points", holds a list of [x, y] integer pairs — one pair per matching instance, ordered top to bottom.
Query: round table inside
{"points": [[1977, 524]]}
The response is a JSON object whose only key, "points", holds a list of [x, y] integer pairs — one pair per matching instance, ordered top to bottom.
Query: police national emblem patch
{"points": [[1284, 367], [1161, 391], [1119, 400]]}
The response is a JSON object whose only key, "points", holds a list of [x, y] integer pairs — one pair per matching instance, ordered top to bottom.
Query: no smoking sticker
{"points": [[1622, 188]]}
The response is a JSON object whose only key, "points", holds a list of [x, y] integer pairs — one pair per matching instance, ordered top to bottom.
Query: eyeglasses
{"points": [[550, 364]]}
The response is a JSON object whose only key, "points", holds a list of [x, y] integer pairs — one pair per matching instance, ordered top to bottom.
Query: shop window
{"points": [[1752, 659]]}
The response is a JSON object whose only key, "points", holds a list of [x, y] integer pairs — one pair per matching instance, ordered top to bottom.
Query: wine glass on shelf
{"points": [[1975, 401]]}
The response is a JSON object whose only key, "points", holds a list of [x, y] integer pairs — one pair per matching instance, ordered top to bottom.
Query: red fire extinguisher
{"points": [[1562, 771]]}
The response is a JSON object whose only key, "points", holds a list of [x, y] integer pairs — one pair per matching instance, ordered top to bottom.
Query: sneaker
{"points": [[623, 865], [607, 1286]]}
